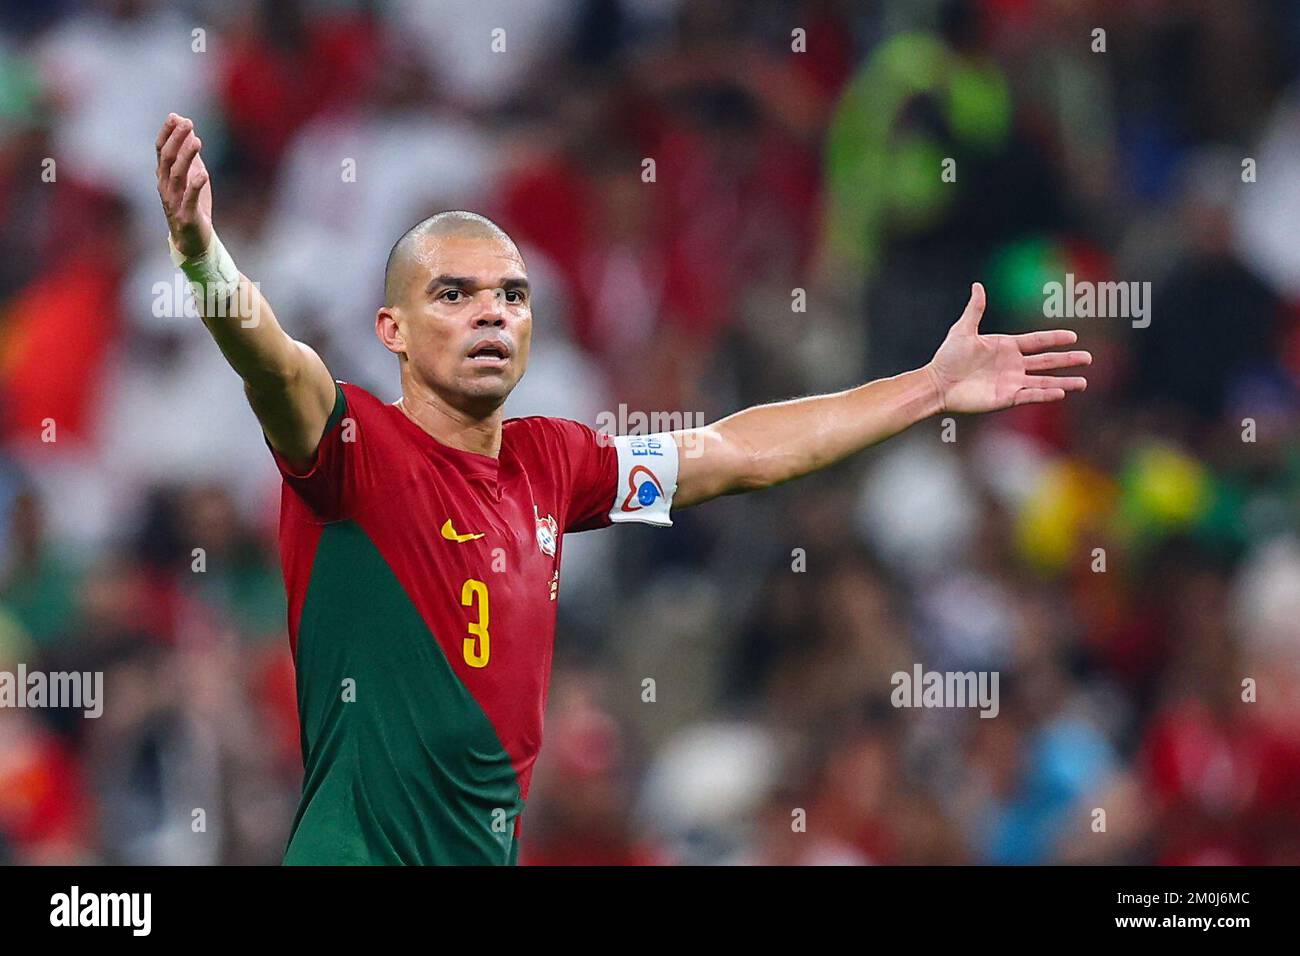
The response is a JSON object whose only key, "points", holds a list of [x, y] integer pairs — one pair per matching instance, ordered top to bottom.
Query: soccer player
{"points": [[421, 540]]}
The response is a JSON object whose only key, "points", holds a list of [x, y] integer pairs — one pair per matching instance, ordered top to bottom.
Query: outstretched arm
{"points": [[287, 384], [770, 444]]}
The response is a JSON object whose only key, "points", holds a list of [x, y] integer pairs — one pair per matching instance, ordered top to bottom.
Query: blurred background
{"points": [[771, 623]]}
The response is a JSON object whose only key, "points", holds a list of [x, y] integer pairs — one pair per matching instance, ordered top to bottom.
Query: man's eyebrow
{"points": [[453, 282], [466, 282]]}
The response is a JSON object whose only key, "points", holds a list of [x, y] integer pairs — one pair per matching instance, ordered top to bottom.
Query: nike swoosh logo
{"points": [[450, 534]]}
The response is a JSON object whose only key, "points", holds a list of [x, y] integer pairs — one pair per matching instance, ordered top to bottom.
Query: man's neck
{"points": [[449, 425]]}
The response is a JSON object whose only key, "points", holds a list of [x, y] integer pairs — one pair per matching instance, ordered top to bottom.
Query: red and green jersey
{"points": [[422, 584]]}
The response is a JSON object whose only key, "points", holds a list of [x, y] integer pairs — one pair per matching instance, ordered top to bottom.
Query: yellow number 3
{"points": [[477, 648]]}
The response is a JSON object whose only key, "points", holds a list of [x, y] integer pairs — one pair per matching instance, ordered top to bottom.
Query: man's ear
{"points": [[389, 330]]}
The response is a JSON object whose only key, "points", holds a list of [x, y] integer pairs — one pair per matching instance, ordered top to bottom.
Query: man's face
{"points": [[464, 321]]}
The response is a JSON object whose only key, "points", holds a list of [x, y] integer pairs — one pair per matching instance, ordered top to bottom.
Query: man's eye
{"points": [[448, 295], [514, 295]]}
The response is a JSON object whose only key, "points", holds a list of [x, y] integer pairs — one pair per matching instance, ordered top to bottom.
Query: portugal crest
{"points": [[548, 533]]}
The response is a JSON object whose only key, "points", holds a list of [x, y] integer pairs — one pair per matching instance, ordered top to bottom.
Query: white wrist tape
{"points": [[212, 274], [647, 479]]}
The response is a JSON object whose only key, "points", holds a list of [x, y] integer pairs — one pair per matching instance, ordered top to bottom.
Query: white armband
{"points": [[212, 274], [647, 479]]}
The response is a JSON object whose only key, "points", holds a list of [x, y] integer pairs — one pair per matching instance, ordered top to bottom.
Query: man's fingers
{"points": [[180, 129], [166, 131], [172, 147], [180, 173], [194, 187], [974, 311], [1037, 341], [1046, 361], [1070, 383], [1036, 396]]}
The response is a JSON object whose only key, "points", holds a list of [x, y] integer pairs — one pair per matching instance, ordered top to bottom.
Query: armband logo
{"points": [[644, 489]]}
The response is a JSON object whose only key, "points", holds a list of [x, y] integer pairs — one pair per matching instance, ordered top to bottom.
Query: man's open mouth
{"points": [[490, 351]]}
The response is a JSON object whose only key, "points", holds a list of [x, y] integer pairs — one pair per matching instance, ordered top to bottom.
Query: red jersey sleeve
{"points": [[589, 468], [333, 485]]}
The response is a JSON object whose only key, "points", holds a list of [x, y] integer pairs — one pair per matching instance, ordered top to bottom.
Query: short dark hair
{"points": [[451, 222]]}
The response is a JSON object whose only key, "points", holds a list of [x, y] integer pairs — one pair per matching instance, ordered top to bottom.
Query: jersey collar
{"points": [[468, 463]]}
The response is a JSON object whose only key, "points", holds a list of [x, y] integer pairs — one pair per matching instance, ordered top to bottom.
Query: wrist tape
{"points": [[212, 274]]}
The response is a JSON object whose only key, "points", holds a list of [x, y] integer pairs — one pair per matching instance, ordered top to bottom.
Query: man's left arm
{"points": [[770, 444]]}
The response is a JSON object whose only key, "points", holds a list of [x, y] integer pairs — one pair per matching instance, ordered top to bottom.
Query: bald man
{"points": [[421, 540]]}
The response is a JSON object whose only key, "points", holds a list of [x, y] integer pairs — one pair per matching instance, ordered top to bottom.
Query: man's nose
{"points": [[493, 310]]}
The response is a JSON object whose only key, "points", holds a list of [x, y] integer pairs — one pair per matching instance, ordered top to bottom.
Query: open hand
{"points": [[183, 185], [984, 373]]}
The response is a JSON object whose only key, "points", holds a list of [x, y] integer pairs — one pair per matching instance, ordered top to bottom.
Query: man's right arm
{"points": [[290, 389]]}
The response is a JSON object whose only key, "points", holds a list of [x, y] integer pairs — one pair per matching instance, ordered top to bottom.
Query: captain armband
{"points": [[647, 479]]}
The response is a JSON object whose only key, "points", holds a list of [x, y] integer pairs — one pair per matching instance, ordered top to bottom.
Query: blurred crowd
{"points": [[1128, 562]]}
